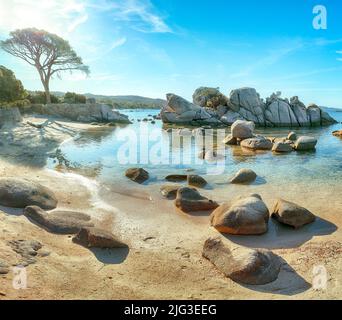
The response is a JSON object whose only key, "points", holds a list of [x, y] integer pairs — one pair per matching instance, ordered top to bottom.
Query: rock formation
{"points": [[211, 107]]}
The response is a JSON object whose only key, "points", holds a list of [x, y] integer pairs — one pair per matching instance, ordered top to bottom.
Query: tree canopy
{"points": [[47, 52], [11, 89]]}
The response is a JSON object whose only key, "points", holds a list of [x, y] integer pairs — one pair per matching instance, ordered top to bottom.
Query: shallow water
{"points": [[102, 150]]}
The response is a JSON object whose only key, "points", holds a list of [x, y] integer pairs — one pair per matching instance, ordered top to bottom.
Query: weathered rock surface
{"points": [[212, 107], [87, 113], [9, 116], [243, 129], [292, 136], [230, 140], [258, 143], [305, 144], [282, 147], [137, 175], [244, 176], [196, 181], [170, 191], [20, 193], [190, 200], [292, 214], [245, 216], [59, 222], [97, 238], [27, 249], [242, 265], [4, 267]]}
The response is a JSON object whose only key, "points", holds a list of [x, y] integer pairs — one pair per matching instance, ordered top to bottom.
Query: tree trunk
{"points": [[47, 92]]}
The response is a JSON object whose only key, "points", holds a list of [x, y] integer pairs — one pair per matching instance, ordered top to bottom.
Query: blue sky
{"points": [[154, 47]]}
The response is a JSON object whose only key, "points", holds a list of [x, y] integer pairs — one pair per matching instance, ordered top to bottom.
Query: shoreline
{"points": [[164, 260]]}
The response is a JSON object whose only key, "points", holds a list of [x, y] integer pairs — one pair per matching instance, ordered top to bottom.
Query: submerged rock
{"points": [[258, 143], [305, 144], [137, 175], [244, 176], [176, 177], [196, 181], [20, 193], [190, 200], [292, 214], [246, 216], [59, 222], [97, 238], [242, 265]]}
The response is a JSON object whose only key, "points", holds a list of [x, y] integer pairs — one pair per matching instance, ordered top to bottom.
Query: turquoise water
{"points": [[100, 149]]}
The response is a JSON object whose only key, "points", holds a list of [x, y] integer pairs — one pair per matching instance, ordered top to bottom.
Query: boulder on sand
{"points": [[243, 129], [258, 143], [305, 144], [137, 175], [244, 176], [196, 181], [170, 191], [20, 193], [190, 200], [292, 214], [245, 216], [59, 222], [90, 237], [242, 265]]}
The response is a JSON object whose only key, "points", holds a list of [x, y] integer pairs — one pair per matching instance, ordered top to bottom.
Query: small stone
{"points": [[137, 175], [244, 176]]}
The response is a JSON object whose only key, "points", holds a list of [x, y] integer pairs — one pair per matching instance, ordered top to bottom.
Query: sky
{"points": [[154, 47]]}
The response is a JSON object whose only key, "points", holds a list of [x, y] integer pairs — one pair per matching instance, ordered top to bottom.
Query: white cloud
{"points": [[58, 16]]}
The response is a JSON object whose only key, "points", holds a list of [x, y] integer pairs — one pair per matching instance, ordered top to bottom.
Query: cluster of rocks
{"points": [[211, 107], [242, 133], [34, 198]]}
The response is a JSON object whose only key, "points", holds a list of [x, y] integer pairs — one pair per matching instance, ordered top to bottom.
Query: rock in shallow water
{"points": [[243, 129], [338, 133], [259, 143], [305, 144], [282, 147], [137, 175], [244, 176], [176, 177], [196, 181], [170, 191], [20, 193], [190, 200], [292, 214], [246, 216], [59, 222], [97, 238], [242, 265]]}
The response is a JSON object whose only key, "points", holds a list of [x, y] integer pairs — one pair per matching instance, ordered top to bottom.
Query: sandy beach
{"points": [[164, 259]]}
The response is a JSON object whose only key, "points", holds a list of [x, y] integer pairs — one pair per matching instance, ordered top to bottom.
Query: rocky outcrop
{"points": [[212, 107], [80, 112], [9, 116], [20, 193], [190, 200], [292, 214], [246, 216], [58, 222], [97, 238], [242, 265]]}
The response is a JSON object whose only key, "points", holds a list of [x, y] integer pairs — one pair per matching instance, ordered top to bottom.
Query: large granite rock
{"points": [[209, 98], [212, 107], [82, 112], [9, 116], [243, 129], [258, 143], [305, 144], [244, 176], [20, 193], [190, 200], [292, 214], [245, 216], [59, 222], [242, 265]]}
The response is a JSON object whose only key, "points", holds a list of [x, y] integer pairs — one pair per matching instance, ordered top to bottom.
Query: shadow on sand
{"points": [[280, 236], [111, 256]]}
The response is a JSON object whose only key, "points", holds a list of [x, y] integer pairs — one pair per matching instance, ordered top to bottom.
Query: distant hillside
{"points": [[327, 109]]}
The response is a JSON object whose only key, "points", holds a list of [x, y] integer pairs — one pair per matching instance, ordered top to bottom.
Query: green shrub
{"points": [[11, 89], [39, 97], [73, 98]]}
